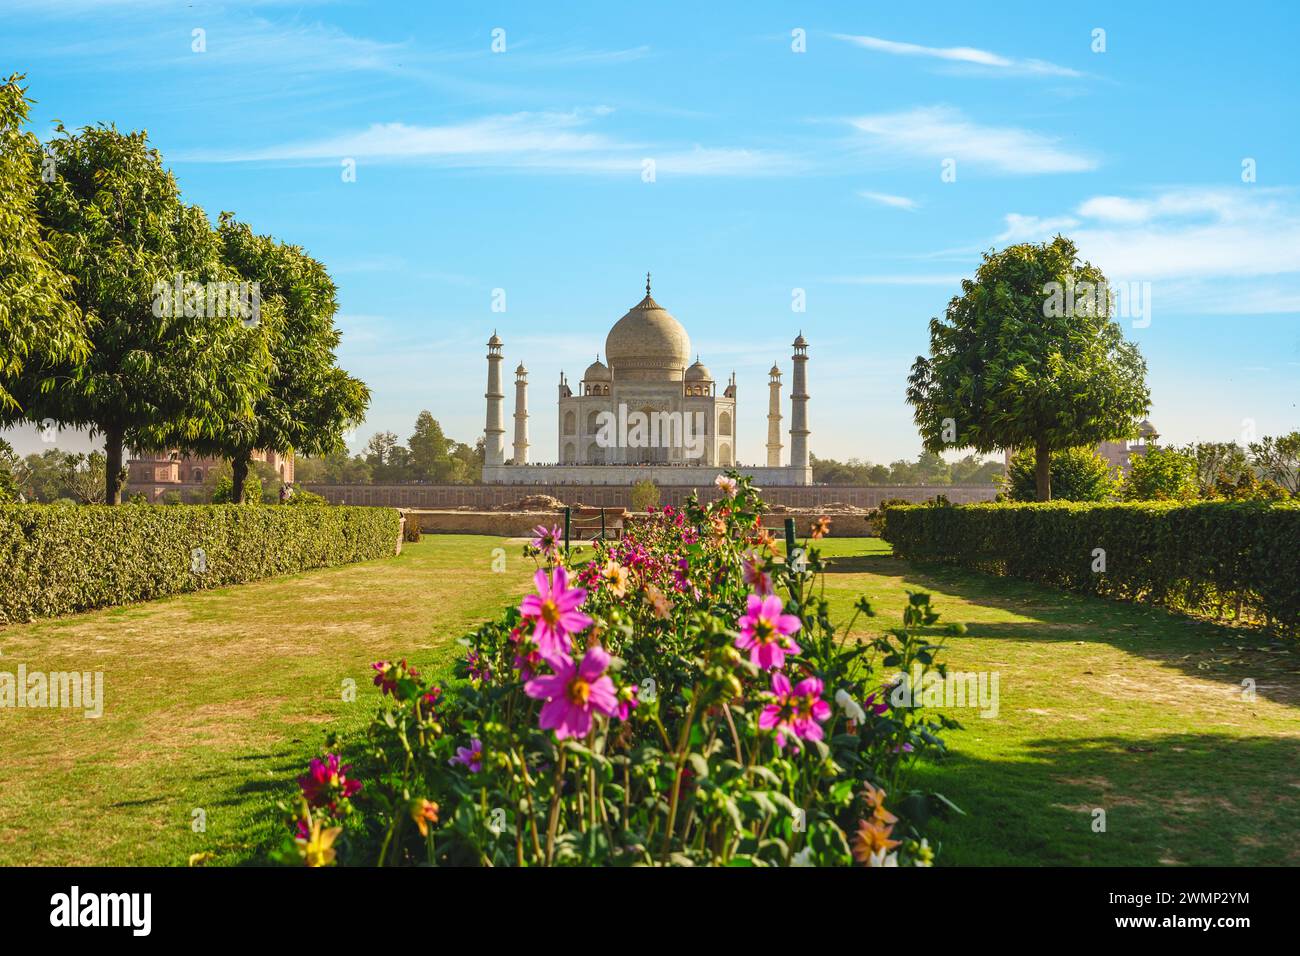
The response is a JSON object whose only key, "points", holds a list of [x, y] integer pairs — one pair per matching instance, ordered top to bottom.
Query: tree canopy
{"points": [[40, 326], [164, 365], [1008, 370]]}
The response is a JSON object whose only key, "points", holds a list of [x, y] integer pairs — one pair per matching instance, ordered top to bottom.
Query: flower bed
{"points": [[676, 697]]}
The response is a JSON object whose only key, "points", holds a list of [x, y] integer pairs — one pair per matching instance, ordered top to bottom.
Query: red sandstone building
{"points": [[153, 474]]}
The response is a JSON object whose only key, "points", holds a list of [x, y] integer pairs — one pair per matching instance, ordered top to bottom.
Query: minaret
{"points": [[799, 405], [521, 415], [774, 419], [494, 452]]}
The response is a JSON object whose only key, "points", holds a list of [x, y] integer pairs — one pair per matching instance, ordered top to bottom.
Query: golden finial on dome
{"points": [[647, 283]]}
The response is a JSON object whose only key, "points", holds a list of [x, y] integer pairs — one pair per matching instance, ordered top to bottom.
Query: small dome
{"points": [[495, 340], [800, 341], [521, 370], [597, 371], [775, 372], [698, 373], [1145, 428]]}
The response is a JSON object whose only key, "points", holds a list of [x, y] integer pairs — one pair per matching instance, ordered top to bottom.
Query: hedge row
{"points": [[59, 559], [1238, 559]]}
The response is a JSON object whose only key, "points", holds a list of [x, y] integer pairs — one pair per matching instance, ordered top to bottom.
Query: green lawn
{"points": [[217, 700]]}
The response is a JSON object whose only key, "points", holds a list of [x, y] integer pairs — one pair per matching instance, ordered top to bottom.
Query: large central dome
{"points": [[648, 343]]}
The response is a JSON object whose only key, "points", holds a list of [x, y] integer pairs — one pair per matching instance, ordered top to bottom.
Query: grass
{"points": [[215, 701], [1103, 706]]}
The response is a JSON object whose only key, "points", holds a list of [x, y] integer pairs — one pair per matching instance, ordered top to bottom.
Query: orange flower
{"points": [[821, 527], [659, 603], [875, 798], [424, 812], [872, 841]]}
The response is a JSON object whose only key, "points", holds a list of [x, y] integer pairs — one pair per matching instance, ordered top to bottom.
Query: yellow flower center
{"points": [[550, 612], [764, 631], [579, 692]]}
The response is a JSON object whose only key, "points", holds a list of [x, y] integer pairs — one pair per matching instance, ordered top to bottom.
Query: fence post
{"points": [[568, 515], [602, 522], [789, 536]]}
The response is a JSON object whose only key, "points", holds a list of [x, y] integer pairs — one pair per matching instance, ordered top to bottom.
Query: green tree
{"points": [[40, 327], [1027, 357], [166, 367], [309, 402], [430, 451], [388, 458], [1278, 460], [1217, 462], [10, 465], [337, 468], [1078, 474], [1162, 474], [83, 477], [223, 490], [645, 495]]}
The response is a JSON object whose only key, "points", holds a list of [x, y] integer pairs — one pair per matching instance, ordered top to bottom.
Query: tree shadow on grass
{"points": [[1201, 649], [1176, 799]]}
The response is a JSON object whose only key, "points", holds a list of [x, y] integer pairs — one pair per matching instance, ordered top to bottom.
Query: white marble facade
{"points": [[647, 411]]}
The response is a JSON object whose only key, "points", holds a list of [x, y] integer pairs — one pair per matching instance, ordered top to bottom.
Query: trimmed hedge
{"points": [[1215, 558], [60, 559]]}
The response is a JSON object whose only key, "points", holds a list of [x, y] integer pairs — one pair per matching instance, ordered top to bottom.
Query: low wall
{"points": [[686, 476], [484, 497], [520, 524]]}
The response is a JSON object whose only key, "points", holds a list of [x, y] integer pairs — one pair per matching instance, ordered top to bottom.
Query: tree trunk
{"points": [[113, 466], [1043, 471], [238, 476]]}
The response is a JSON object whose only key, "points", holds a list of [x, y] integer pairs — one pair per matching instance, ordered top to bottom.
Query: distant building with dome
{"points": [[647, 411]]}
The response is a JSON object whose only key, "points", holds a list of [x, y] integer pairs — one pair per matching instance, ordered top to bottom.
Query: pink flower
{"points": [[726, 485], [546, 540], [755, 576], [554, 610], [765, 632], [479, 669], [387, 675], [573, 692], [627, 701], [796, 712], [471, 756], [326, 783]]}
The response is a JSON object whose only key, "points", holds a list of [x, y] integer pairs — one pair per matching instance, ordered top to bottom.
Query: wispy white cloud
{"points": [[965, 55], [942, 132], [557, 141], [886, 199], [1033, 228], [1187, 233], [1207, 250]]}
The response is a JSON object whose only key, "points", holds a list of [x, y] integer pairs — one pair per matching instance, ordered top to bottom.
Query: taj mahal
{"points": [[646, 412]]}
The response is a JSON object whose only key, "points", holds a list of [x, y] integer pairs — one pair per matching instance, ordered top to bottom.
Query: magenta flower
{"points": [[546, 540], [755, 577], [554, 611], [765, 632], [478, 668], [573, 692], [627, 701], [797, 713], [471, 756], [326, 783]]}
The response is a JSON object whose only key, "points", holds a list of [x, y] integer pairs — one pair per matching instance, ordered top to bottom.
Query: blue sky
{"points": [[774, 170]]}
